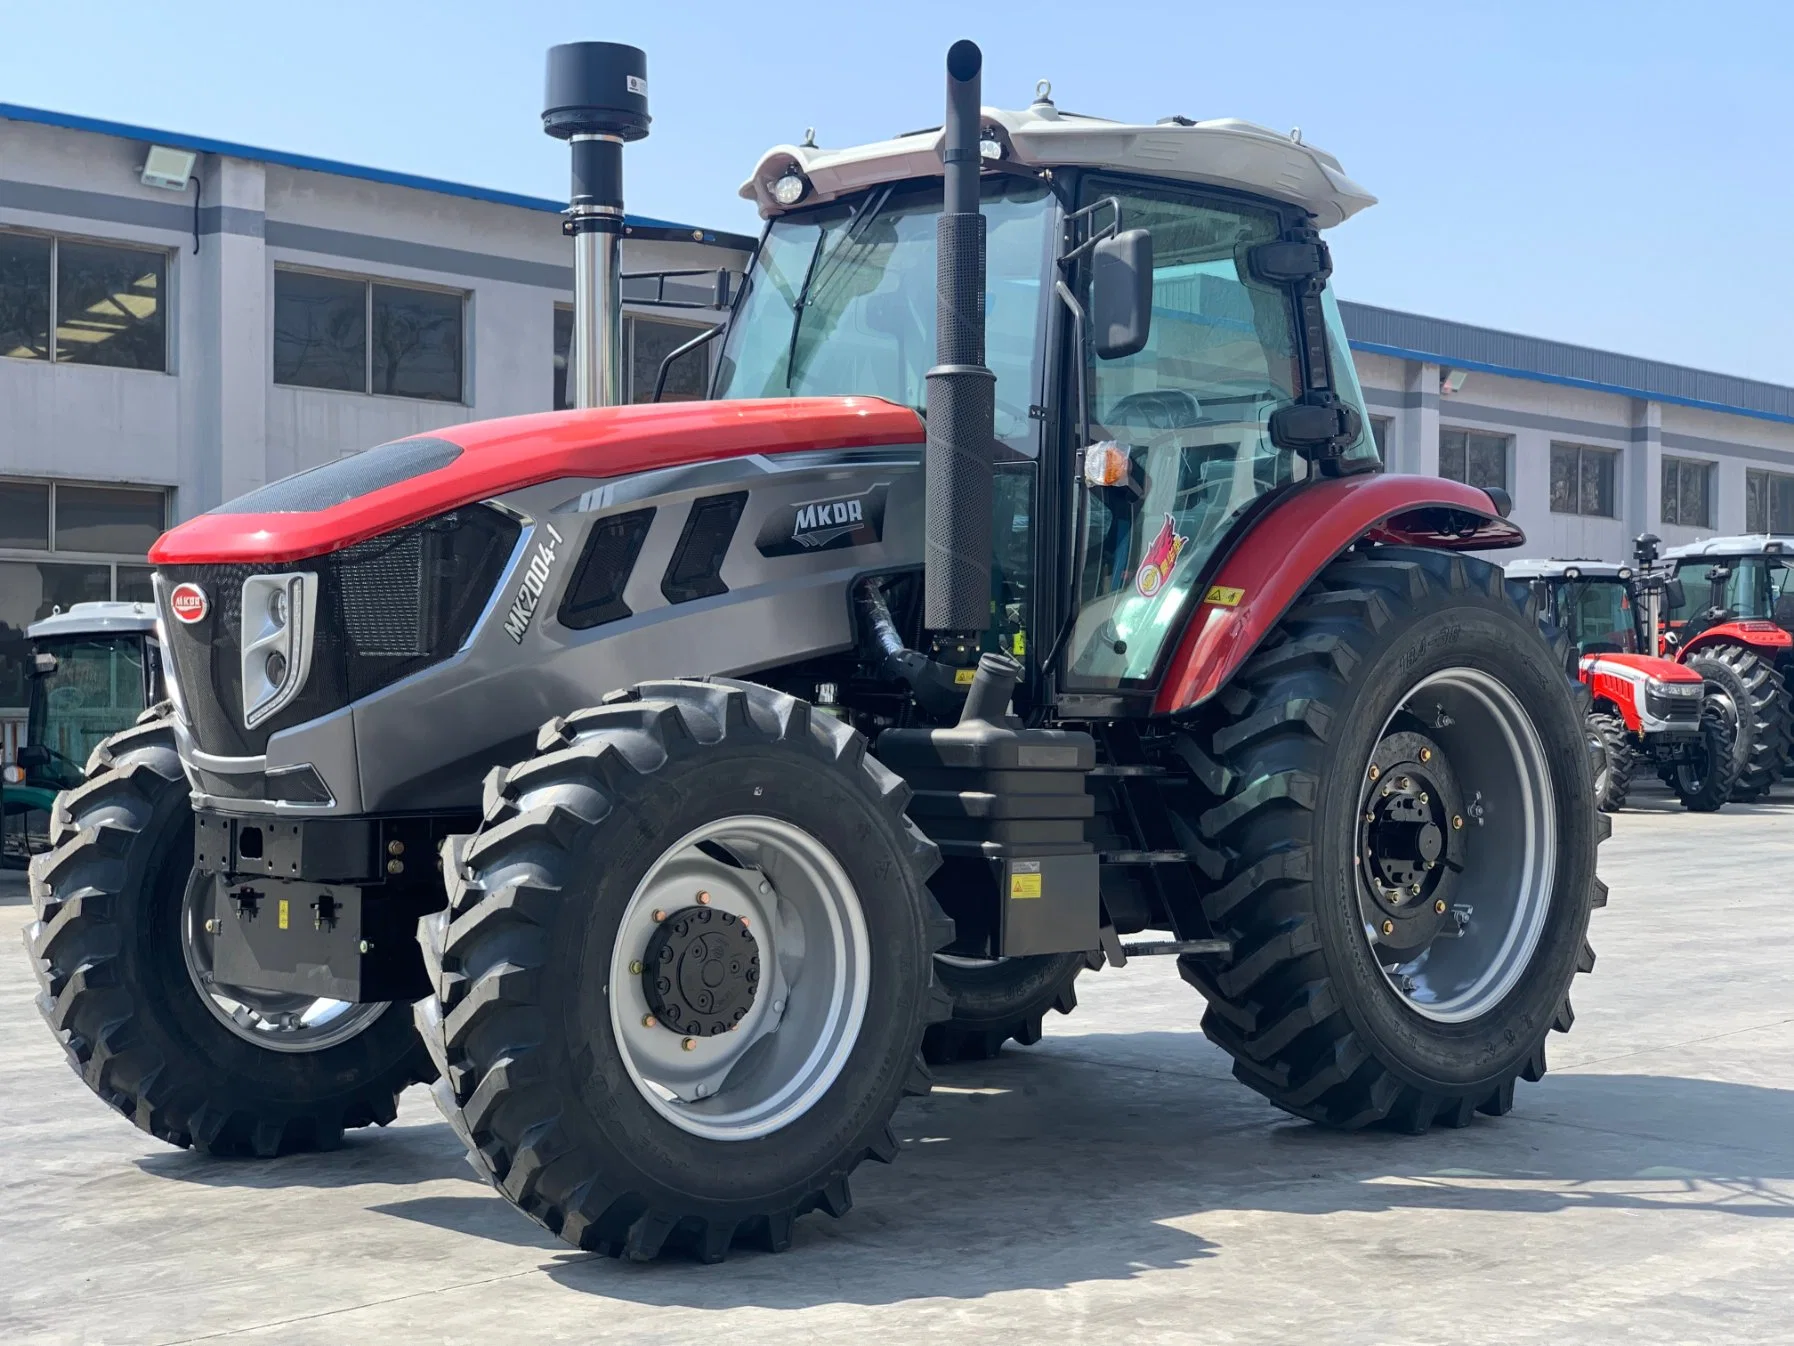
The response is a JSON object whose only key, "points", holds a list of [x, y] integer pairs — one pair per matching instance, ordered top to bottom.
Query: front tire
{"points": [[1405, 690], [1612, 750], [1705, 783], [112, 948], [999, 1000], [621, 1110]]}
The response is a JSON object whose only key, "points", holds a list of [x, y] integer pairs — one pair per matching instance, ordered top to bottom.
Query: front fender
{"points": [[1294, 541], [1766, 638]]}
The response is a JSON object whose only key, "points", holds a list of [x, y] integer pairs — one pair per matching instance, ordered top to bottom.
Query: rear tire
{"points": [[1392, 651], [1763, 713], [1613, 750], [118, 990], [998, 1000], [570, 1098]]}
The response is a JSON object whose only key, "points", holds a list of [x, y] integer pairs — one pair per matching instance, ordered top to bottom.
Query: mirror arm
{"points": [[666, 365]]}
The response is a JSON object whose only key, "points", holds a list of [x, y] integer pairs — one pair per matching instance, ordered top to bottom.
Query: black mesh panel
{"points": [[696, 568], [595, 595]]}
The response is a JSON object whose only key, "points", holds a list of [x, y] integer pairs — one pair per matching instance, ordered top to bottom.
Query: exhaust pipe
{"points": [[597, 101], [961, 396]]}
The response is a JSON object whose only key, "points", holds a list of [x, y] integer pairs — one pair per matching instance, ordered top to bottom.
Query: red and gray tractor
{"points": [[1028, 583], [1732, 616], [1642, 707]]}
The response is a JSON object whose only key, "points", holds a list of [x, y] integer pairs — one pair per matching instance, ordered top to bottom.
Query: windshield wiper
{"points": [[856, 226]]}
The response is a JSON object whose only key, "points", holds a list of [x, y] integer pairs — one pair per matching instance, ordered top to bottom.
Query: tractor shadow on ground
{"points": [[389, 1156], [1039, 1172]]}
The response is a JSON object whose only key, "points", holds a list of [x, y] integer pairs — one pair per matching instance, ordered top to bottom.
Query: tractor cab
{"points": [[1233, 381], [1733, 579], [1593, 602], [94, 670]]}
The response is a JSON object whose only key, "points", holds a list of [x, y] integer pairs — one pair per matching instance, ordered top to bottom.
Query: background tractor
{"points": [[1028, 583], [1733, 618], [94, 670], [1642, 707]]}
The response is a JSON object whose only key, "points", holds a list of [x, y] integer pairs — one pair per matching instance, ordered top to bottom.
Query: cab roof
{"points": [[1220, 153], [1742, 544], [1560, 568], [90, 619]]}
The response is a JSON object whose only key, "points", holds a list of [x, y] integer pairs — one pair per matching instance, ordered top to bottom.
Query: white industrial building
{"points": [[164, 348]]}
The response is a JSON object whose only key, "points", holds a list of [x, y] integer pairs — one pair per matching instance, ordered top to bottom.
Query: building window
{"points": [[83, 303], [323, 325], [646, 342], [1379, 431], [1474, 459], [1582, 480], [1687, 493], [1768, 502], [62, 543]]}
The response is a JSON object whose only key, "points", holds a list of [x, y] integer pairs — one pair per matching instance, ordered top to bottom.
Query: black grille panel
{"points": [[696, 568], [595, 595], [386, 608]]}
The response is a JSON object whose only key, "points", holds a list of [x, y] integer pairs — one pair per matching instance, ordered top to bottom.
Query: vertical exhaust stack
{"points": [[597, 101], [961, 391]]}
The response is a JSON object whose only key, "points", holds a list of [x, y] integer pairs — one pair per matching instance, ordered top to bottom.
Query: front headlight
{"points": [[1679, 691]]}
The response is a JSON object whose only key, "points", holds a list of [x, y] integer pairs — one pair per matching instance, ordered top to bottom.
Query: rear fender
{"points": [[1297, 538], [1766, 638]]}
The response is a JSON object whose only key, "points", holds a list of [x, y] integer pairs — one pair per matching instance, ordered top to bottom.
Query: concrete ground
{"points": [[1112, 1182]]}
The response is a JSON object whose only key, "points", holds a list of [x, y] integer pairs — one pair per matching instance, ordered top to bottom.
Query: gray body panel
{"points": [[425, 742]]}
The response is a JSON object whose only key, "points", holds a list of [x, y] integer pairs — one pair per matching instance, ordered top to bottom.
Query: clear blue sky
{"points": [[1616, 174]]}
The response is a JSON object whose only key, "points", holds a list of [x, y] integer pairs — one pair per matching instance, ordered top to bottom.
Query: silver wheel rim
{"points": [[1501, 897], [815, 975], [272, 1020]]}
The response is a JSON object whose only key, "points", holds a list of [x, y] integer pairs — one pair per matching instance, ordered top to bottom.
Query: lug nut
{"points": [[1426, 754], [1375, 771], [1404, 783], [1387, 791], [1423, 797], [1369, 817], [1457, 822], [395, 848], [395, 866], [1414, 888], [703, 898], [1439, 907], [659, 915], [743, 920], [212, 926], [1388, 927], [367, 946], [635, 968], [648, 1021], [688, 1044]]}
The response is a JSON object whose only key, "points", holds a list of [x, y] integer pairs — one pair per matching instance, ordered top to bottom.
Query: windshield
{"points": [[865, 269], [1759, 588], [1598, 616], [95, 690]]}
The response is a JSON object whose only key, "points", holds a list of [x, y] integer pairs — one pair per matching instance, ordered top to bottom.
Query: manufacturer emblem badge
{"points": [[824, 525], [1161, 556], [189, 604]]}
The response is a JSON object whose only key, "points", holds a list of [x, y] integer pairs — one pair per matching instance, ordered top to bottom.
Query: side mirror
{"points": [[1121, 294], [1673, 593], [43, 663], [33, 755]]}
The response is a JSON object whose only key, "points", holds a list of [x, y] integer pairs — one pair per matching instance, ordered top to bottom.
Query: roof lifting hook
{"points": [[1043, 93]]}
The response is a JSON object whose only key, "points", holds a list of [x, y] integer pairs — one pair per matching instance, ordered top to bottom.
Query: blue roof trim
{"points": [[206, 145], [1413, 336], [1507, 371]]}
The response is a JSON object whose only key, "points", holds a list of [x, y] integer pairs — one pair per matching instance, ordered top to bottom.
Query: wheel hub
{"points": [[1408, 855], [700, 971]]}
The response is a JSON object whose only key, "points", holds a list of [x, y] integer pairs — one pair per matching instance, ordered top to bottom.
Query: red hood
{"points": [[504, 455], [1664, 670]]}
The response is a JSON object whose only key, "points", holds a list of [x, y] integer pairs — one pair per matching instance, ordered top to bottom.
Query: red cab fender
{"points": [[1294, 541], [1765, 637]]}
